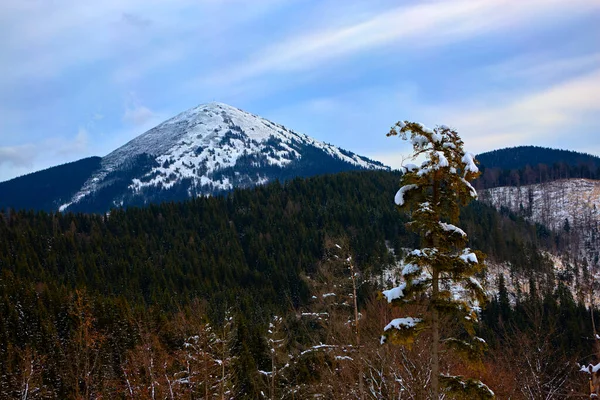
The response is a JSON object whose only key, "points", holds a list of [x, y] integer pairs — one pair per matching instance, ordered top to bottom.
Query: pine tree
{"points": [[440, 276], [503, 299], [276, 341]]}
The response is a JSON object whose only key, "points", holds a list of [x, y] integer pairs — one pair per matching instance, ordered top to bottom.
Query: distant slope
{"points": [[521, 156], [528, 165], [47, 189], [571, 206], [258, 240]]}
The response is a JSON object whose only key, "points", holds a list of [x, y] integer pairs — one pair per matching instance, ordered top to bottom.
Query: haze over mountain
{"points": [[209, 149]]}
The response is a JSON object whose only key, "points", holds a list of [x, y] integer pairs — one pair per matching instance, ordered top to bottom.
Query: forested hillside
{"points": [[520, 156], [526, 165], [47, 189], [183, 297]]}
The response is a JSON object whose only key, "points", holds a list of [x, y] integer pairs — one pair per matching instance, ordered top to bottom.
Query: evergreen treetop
{"points": [[440, 276]]}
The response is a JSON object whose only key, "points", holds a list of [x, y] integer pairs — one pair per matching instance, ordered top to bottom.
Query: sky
{"points": [[81, 78]]}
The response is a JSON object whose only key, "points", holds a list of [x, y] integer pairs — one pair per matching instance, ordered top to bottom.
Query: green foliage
{"points": [[433, 193], [441, 274], [556, 314], [405, 335], [472, 352], [458, 387]]}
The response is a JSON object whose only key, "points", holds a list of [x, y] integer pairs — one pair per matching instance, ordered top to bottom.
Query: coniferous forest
{"points": [[527, 165], [218, 200], [253, 295]]}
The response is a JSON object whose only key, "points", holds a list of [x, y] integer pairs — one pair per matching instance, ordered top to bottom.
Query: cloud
{"points": [[136, 20], [432, 23], [45, 39], [542, 67], [135, 68], [340, 74], [561, 111], [135, 112], [137, 115], [563, 115], [541, 116], [74, 147], [17, 156], [34, 156], [25, 158]]}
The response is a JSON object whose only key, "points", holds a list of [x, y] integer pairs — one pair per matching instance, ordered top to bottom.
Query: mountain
{"points": [[207, 150], [521, 156], [528, 165], [558, 189], [43, 190], [570, 206]]}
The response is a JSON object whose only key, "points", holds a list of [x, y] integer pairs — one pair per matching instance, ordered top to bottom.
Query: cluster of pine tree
{"points": [[520, 156], [528, 165], [240, 296]]}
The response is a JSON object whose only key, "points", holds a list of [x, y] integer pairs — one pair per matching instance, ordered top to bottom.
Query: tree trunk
{"points": [[435, 323], [435, 328], [596, 341], [223, 365], [273, 372], [205, 375], [361, 385]]}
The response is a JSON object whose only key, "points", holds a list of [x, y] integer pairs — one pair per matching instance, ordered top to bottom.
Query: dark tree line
{"points": [[518, 157], [527, 165], [530, 175], [49, 188]]}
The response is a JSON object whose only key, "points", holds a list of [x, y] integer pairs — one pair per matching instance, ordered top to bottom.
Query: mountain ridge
{"points": [[209, 149], [520, 156], [47, 185]]}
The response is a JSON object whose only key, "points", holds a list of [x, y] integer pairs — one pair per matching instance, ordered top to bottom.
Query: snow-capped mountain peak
{"points": [[211, 148]]}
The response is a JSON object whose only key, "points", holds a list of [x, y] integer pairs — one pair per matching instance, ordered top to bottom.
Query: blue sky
{"points": [[81, 78]]}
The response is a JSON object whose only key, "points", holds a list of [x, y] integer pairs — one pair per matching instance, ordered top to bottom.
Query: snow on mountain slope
{"points": [[212, 147], [551, 203], [571, 205]]}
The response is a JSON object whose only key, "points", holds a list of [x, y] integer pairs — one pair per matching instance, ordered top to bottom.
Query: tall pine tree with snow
{"points": [[439, 278]]}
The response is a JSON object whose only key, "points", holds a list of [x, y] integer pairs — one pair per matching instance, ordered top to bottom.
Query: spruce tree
{"points": [[439, 278], [503, 299]]}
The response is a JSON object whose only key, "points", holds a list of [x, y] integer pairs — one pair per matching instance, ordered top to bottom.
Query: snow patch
{"points": [[469, 161], [399, 198], [453, 229], [395, 293], [402, 323]]}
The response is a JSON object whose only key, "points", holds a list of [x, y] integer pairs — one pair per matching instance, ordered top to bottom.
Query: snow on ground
{"points": [[550, 203], [553, 204], [392, 279], [518, 282]]}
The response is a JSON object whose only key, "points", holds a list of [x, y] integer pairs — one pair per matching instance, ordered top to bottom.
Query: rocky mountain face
{"points": [[207, 150]]}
